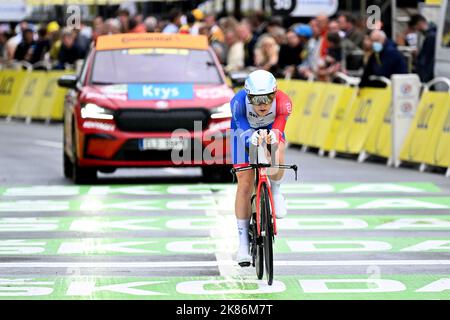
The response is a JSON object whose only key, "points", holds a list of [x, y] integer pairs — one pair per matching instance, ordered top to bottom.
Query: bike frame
{"points": [[260, 179]]}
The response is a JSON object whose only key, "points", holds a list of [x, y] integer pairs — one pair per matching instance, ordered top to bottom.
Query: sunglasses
{"points": [[257, 100]]}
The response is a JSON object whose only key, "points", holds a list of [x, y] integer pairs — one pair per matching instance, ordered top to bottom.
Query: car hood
{"points": [[129, 96]]}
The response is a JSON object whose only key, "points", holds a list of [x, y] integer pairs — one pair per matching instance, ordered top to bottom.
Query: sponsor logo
{"points": [[160, 92]]}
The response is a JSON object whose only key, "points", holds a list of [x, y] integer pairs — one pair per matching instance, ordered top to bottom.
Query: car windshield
{"points": [[155, 65]]}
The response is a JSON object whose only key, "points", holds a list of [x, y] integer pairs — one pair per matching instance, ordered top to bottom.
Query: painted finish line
{"points": [[209, 189], [93, 204], [305, 222], [170, 246], [211, 263], [192, 288]]}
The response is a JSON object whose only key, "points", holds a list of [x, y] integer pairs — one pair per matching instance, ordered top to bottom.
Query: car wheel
{"points": [[68, 169], [217, 174], [80, 175], [83, 175]]}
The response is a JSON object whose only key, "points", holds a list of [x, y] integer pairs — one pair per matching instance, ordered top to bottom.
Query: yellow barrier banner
{"points": [[12, 85], [298, 91], [33, 94], [52, 100], [28, 104], [367, 110], [310, 112], [430, 112], [328, 115], [344, 129], [379, 141], [438, 151]]}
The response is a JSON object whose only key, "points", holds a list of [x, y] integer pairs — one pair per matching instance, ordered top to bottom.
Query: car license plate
{"points": [[163, 144]]}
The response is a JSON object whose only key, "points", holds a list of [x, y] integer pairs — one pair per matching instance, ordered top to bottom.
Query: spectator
{"points": [[124, 18], [139, 18], [199, 18], [190, 20], [175, 22], [258, 22], [228, 23], [274, 23], [151, 24], [347, 24], [136, 25], [322, 25], [113, 26], [417, 26], [99, 27], [333, 27], [215, 31], [245, 34], [279, 34], [408, 37], [422, 39], [3, 40], [55, 40], [82, 41], [13, 42], [42, 46], [334, 46], [219, 47], [367, 49], [24, 50], [69, 52], [267, 54], [235, 55], [290, 56], [426, 57], [385, 60], [332, 62], [309, 64]]}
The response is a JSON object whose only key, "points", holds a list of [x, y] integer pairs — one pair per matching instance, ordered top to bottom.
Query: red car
{"points": [[147, 100]]}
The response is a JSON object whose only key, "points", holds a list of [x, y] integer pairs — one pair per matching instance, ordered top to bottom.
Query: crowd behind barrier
{"points": [[317, 49], [325, 66], [338, 118]]}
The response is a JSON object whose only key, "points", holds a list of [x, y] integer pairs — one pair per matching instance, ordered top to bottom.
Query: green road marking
{"points": [[209, 189], [95, 204], [190, 223], [173, 246], [343, 287]]}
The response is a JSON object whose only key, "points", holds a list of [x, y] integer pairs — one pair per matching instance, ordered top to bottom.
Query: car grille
{"points": [[136, 120]]}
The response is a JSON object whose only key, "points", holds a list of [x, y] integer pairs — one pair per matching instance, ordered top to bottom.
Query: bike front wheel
{"points": [[267, 233]]}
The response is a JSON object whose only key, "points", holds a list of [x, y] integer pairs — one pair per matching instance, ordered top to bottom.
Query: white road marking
{"points": [[48, 143], [225, 235], [194, 264]]}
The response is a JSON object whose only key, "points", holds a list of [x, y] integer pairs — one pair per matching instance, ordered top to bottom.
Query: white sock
{"points": [[275, 186], [242, 225]]}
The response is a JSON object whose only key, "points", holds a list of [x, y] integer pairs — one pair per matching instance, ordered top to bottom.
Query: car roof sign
{"points": [[151, 40]]}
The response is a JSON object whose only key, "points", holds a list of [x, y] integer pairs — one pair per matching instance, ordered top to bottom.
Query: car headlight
{"points": [[93, 111], [222, 112]]}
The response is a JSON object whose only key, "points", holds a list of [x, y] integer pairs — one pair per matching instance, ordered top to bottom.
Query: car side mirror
{"points": [[238, 78], [68, 81]]}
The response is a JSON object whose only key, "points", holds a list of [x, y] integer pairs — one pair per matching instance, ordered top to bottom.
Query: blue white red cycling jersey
{"points": [[245, 121]]}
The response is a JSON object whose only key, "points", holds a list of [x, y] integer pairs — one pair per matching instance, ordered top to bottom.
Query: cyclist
{"points": [[258, 106]]}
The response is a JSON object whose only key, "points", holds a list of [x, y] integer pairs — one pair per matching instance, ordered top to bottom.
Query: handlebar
{"points": [[264, 165]]}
